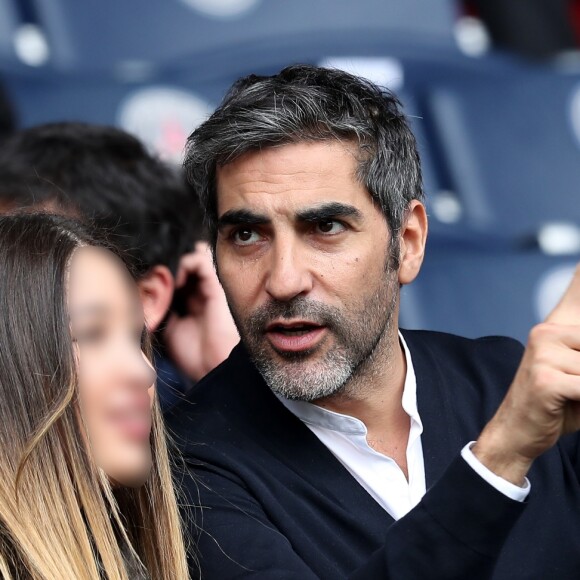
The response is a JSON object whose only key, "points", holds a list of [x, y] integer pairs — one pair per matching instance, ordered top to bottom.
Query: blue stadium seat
{"points": [[8, 25], [101, 34], [109, 58], [163, 106], [509, 140], [477, 289]]}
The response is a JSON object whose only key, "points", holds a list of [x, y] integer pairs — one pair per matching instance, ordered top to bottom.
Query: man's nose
{"points": [[288, 273]]}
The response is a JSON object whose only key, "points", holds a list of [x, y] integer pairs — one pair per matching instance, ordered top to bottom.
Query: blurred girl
{"points": [[85, 484]]}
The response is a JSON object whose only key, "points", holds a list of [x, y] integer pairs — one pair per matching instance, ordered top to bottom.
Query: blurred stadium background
{"points": [[492, 89]]}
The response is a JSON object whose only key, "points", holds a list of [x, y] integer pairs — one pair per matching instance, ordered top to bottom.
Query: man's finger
{"points": [[568, 309]]}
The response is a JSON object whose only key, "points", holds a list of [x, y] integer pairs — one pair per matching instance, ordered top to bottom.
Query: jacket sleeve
{"points": [[570, 450], [456, 531]]}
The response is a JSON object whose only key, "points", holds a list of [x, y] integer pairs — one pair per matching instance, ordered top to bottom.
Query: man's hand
{"points": [[204, 336], [543, 402]]}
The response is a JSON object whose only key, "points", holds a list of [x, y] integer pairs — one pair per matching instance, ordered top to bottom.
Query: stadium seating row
{"points": [[499, 138]]}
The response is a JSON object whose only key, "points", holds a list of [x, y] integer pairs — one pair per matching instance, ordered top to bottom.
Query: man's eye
{"points": [[330, 227], [245, 237]]}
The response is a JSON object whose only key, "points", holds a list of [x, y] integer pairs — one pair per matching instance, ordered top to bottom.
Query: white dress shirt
{"points": [[383, 479]]}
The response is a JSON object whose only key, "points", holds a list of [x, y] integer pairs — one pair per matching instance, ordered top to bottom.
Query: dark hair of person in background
{"points": [[307, 103], [7, 116], [107, 176], [60, 517]]}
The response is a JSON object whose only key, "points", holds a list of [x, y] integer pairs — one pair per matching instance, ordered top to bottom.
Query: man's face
{"points": [[302, 253]]}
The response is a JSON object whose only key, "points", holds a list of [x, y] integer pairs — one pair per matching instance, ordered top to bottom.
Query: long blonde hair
{"points": [[59, 516]]}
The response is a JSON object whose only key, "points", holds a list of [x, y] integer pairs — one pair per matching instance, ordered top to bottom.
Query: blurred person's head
{"points": [[107, 176], [85, 482]]}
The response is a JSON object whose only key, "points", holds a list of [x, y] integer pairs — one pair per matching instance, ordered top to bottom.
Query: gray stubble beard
{"points": [[359, 344]]}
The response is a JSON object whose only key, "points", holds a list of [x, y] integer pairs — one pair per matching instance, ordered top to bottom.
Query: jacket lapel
{"points": [[284, 435], [441, 440]]}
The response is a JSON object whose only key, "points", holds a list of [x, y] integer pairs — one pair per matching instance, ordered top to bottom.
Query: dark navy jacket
{"points": [[171, 384], [268, 500]]}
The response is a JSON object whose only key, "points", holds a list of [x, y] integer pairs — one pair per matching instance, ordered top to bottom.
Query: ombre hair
{"points": [[59, 515]]}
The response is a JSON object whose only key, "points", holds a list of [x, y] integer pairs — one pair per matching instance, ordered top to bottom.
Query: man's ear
{"points": [[413, 237], [156, 290]]}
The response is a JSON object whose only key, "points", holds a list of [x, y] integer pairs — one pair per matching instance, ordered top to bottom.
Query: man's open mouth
{"points": [[293, 328]]}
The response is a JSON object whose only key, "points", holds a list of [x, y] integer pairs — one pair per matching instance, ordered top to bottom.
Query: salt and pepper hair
{"points": [[304, 103]]}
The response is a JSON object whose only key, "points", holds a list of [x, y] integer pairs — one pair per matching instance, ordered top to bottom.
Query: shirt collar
{"points": [[326, 419]]}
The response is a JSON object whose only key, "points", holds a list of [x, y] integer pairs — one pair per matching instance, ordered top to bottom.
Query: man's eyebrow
{"points": [[328, 211], [234, 217]]}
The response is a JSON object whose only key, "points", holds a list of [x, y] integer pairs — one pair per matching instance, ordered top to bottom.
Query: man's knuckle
{"points": [[543, 332], [543, 376]]}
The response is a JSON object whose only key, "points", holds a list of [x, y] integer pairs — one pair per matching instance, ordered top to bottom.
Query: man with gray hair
{"points": [[331, 443]]}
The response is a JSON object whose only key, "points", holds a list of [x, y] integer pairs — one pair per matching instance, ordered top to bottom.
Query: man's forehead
{"points": [[301, 151], [292, 159], [294, 176]]}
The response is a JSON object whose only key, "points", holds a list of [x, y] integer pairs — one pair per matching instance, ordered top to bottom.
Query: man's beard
{"points": [[355, 337]]}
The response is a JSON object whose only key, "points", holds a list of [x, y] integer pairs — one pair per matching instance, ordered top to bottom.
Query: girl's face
{"points": [[116, 381]]}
